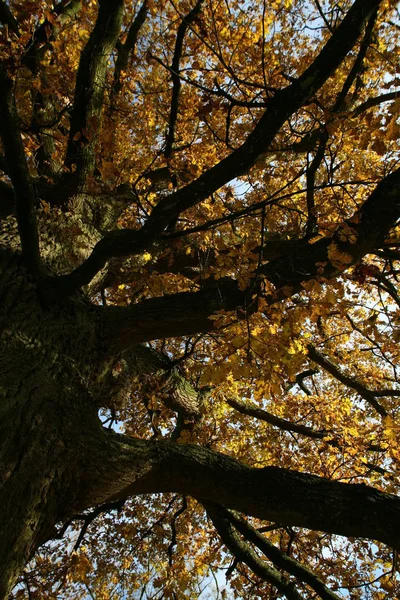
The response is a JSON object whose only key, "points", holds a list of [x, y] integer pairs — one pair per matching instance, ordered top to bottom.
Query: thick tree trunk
{"points": [[47, 358], [55, 372]]}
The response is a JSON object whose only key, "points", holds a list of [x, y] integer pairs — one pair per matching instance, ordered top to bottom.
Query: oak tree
{"points": [[199, 299]]}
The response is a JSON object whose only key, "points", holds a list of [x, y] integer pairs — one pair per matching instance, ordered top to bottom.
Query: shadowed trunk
{"points": [[46, 412]]}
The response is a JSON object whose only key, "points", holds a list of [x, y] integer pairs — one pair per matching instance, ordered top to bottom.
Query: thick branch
{"points": [[126, 49], [124, 52], [356, 68], [89, 90], [44, 114], [19, 174], [354, 238], [196, 265], [173, 315], [159, 376], [118, 467]]}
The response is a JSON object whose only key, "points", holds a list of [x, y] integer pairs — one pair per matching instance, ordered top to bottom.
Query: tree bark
{"points": [[54, 372], [47, 409], [272, 493]]}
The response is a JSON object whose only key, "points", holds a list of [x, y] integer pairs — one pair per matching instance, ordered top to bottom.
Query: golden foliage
{"points": [[236, 54]]}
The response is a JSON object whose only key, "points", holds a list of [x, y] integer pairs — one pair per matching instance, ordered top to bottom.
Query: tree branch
{"points": [[322, 15], [7, 18], [46, 32], [124, 50], [356, 68], [176, 81], [89, 90], [371, 102], [285, 103], [43, 105], [312, 168], [18, 171], [355, 237], [194, 266], [189, 312], [172, 315], [159, 376], [363, 391], [283, 424], [116, 466], [88, 519], [244, 553], [279, 558]]}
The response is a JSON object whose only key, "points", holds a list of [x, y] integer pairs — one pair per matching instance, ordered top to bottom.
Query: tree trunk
{"points": [[48, 408]]}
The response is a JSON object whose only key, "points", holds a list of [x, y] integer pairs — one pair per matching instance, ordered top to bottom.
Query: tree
{"points": [[199, 304]]}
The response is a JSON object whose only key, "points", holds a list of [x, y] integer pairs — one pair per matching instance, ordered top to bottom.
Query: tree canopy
{"points": [[200, 313]]}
